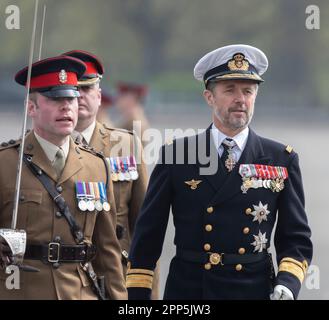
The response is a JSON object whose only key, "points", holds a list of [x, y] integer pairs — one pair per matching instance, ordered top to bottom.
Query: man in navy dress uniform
{"points": [[226, 187]]}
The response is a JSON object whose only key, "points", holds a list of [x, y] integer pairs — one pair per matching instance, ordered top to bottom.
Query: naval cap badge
{"points": [[238, 62]]}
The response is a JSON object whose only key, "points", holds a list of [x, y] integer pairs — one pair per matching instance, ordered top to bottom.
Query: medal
{"points": [[230, 162], [133, 168], [126, 169], [114, 170], [123, 170], [121, 176], [262, 176], [256, 183], [246, 185], [277, 185], [81, 195], [90, 196], [98, 203], [82, 204], [90, 206], [106, 206], [260, 212], [260, 242]]}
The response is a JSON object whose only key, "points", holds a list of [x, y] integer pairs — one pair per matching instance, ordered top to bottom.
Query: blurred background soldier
{"points": [[129, 101], [107, 102], [121, 148], [60, 239]]}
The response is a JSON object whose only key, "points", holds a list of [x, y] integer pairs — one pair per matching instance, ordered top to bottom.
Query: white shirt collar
{"points": [[87, 133], [240, 139], [51, 149]]}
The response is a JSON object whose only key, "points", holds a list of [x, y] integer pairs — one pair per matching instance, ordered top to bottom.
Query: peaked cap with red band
{"points": [[95, 69], [55, 77], [139, 90], [107, 100]]}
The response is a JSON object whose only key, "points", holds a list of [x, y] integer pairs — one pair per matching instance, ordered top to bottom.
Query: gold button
{"points": [[210, 209], [248, 211], [208, 227], [246, 230], [207, 247], [242, 251], [207, 266], [238, 267]]}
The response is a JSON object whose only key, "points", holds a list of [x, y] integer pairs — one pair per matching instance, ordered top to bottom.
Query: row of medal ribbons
{"points": [[123, 168], [263, 171], [262, 176], [91, 196]]}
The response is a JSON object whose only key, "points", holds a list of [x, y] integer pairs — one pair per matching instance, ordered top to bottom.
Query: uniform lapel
{"points": [[97, 140], [253, 153], [39, 157], [73, 163]]}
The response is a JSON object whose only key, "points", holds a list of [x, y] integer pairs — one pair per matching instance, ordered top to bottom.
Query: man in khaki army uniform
{"points": [[119, 146], [51, 247]]}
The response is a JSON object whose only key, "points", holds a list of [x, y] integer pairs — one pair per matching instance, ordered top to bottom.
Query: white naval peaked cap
{"points": [[233, 62]]}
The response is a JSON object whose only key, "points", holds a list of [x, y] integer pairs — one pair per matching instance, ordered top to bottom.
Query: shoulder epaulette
{"points": [[118, 129], [10, 144], [289, 149], [91, 150]]}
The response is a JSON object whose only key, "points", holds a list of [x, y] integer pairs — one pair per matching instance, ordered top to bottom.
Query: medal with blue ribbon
{"points": [[125, 168], [114, 170], [103, 197]]}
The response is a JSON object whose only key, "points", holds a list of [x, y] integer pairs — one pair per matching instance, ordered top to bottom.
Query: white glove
{"points": [[281, 293]]}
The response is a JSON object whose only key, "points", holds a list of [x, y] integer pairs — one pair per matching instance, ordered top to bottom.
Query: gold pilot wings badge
{"points": [[193, 183]]}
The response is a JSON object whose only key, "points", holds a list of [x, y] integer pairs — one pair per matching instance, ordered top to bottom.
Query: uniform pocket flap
{"points": [[25, 196]]}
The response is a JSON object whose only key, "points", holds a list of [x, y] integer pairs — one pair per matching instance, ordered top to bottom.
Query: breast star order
{"points": [[260, 212], [260, 242]]}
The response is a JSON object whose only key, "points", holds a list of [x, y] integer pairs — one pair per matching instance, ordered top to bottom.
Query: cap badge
{"points": [[238, 63], [62, 76]]}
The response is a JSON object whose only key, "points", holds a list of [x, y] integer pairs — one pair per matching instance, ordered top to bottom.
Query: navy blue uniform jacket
{"points": [[214, 217]]}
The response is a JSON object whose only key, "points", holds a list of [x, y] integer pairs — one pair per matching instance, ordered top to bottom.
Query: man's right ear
{"points": [[208, 96], [31, 106]]}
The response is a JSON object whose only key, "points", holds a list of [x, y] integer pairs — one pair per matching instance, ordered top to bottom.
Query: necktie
{"points": [[80, 139], [227, 157], [59, 162]]}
